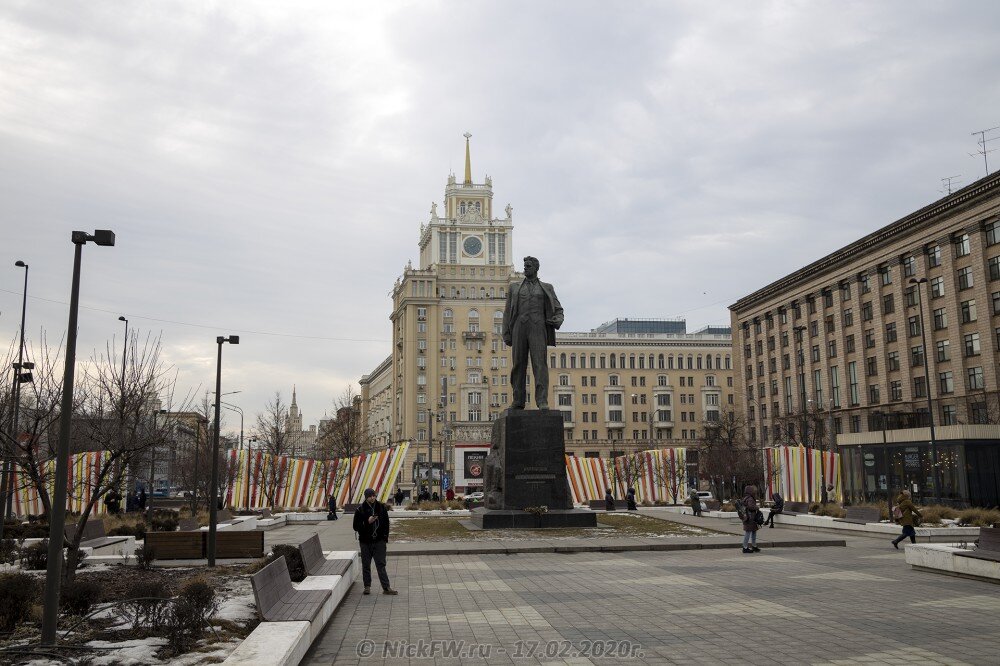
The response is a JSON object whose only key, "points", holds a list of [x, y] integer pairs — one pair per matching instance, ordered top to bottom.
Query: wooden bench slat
{"points": [[278, 601]]}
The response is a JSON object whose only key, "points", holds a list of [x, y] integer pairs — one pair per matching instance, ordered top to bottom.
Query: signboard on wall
{"points": [[471, 465]]}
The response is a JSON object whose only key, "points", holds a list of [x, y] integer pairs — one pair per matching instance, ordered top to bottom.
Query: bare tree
{"points": [[272, 433], [345, 436], [34, 444], [725, 453]]}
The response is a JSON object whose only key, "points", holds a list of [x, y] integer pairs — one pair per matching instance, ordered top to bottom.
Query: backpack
{"points": [[741, 509], [897, 513], [758, 517]]}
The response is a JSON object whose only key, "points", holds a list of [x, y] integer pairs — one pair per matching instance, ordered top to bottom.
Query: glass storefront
{"points": [[871, 472]]}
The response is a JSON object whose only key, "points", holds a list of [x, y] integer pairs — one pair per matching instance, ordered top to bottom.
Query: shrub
{"points": [[728, 506], [814, 507], [830, 510], [979, 517], [164, 523], [33, 530], [138, 531], [8, 551], [36, 556], [145, 556], [293, 559], [19, 592], [200, 594], [79, 596], [143, 605]]}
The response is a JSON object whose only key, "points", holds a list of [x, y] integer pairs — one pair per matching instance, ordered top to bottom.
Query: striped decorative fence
{"points": [[798, 473], [658, 475], [255, 476], [81, 483]]}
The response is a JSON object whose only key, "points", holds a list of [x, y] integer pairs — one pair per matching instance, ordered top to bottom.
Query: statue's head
{"points": [[531, 266]]}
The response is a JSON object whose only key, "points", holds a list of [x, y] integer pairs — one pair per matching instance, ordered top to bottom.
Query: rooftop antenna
{"points": [[983, 150], [947, 182]]}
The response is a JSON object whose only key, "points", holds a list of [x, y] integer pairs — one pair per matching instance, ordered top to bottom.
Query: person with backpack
{"points": [[776, 508], [748, 515], [907, 515]]}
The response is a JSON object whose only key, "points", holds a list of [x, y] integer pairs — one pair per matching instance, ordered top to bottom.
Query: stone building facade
{"points": [[834, 351]]}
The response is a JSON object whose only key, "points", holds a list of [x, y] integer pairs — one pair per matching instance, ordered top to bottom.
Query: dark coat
{"points": [[553, 311], [609, 501], [332, 503], [779, 503], [750, 525], [371, 532]]}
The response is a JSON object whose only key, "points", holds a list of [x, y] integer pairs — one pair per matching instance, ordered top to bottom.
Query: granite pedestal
{"points": [[526, 467]]}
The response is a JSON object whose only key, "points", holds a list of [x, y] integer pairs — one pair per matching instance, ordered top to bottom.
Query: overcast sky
{"points": [[267, 165]]}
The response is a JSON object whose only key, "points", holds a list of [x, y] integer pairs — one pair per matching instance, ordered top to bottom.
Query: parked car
{"points": [[182, 494], [704, 495], [475, 497]]}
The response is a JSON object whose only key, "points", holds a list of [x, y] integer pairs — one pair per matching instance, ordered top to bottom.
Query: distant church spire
{"points": [[468, 160], [293, 394]]}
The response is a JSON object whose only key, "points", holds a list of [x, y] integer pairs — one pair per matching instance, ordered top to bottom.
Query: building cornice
{"points": [[962, 199]]}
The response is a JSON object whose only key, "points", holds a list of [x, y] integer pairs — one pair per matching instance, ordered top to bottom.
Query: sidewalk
{"points": [[338, 535]]}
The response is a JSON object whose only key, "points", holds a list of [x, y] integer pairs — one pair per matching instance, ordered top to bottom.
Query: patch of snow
{"points": [[237, 608], [127, 653]]}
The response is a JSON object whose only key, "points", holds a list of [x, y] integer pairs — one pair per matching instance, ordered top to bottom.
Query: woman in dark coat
{"points": [[609, 500], [630, 500], [749, 520]]}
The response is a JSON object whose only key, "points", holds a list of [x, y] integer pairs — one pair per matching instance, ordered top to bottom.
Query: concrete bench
{"points": [[602, 504], [795, 507], [861, 515], [93, 536], [239, 544], [176, 545], [989, 545], [317, 564], [278, 601]]}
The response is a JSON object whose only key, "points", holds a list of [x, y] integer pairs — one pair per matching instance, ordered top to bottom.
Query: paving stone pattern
{"points": [[859, 604]]}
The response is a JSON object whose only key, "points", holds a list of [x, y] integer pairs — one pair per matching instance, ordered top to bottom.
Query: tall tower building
{"points": [[449, 365]]}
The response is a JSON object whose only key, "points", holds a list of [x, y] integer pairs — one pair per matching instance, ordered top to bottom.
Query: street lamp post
{"points": [[927, 372], [240, 412], [202, 425], [152, 464], [7, 481], [214, 490], [57, 514]]}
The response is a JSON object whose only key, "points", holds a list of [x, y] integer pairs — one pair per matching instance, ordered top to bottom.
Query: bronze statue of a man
{"points": [[530, 320]]}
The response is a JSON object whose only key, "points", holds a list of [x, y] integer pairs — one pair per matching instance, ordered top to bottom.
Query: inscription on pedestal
{"points": [[526, 465]]}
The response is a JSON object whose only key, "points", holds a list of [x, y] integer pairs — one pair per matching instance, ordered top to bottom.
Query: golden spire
{"points": [[468, 160]]}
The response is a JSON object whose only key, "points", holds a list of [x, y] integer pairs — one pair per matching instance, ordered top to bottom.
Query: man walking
{"points": [[530, 320], [371, 522]]}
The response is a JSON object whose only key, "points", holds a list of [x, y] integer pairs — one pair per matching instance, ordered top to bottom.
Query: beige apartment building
{"points": [[838, 346], [447, 376]]}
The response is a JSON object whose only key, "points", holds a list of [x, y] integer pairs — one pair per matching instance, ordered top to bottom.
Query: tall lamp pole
{"points": [[927, 372], [121, 414], [7, 481], [214, 490], [57, 514]]}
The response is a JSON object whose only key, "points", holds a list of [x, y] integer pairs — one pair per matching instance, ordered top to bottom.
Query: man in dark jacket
{"points": [[609, 500], [630, 500], [695, 504], [332, 505], [371, 522]]}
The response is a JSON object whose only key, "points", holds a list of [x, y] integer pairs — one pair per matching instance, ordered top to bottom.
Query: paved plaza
{"points": [[820, 605]]}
